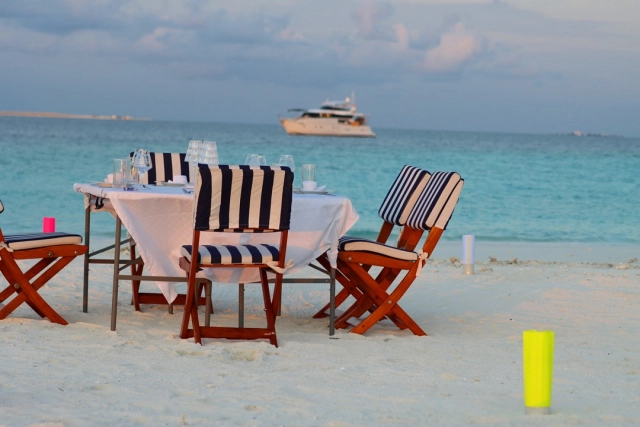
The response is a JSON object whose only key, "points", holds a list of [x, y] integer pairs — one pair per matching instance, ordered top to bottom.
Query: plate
{"points": [[103, 184], [170, 184], [301, 191]]}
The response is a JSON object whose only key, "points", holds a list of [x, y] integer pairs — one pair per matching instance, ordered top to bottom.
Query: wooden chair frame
{"points": [[237, 206], [432, 212], [408, 240], [51, 260], [375, 297], [272, 305]]}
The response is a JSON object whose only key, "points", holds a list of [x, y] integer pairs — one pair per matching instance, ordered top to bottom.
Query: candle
{"points": [[48, 225], [468, 253]]}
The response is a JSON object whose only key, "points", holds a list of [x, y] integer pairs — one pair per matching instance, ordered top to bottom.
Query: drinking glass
{"points": [[193, 152], [209, 153], [193, 157], [252, 160], [262, 160], [287, 160], [142, 161], [120, 172], [308, 173], [132, 177]]}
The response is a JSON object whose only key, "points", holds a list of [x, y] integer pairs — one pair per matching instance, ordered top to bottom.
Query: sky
{"points": [[534, 66]]}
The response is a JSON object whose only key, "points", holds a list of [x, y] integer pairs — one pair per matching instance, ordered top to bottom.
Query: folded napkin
{"points": [[109, 179]]}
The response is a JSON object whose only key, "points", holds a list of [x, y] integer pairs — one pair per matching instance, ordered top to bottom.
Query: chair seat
{"points": [[19, 242], [358, 244], [233, 254]]}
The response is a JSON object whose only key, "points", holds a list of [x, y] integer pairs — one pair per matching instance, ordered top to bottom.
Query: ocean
{"points": [[519, 188]]}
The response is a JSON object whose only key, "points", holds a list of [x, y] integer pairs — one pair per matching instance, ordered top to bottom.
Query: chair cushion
{"points": [[403, 194], [436, 202], [40, 240], [358, 244], [233, 254]]}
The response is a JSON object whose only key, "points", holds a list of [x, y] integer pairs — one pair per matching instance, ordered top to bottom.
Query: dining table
{"points": [[159, 219]]}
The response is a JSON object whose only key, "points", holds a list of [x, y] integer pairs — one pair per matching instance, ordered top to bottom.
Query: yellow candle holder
{"points": [[537, 352]]}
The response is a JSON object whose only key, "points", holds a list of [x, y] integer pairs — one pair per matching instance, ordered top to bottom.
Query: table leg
{"points": [[116, 274], [85, 279], [332, 302]]}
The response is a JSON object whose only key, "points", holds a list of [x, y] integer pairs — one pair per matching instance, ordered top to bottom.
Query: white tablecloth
{"points": [[160, 221]]}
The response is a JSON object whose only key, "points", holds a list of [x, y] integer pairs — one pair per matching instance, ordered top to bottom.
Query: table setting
{"points": [[158, 217]]}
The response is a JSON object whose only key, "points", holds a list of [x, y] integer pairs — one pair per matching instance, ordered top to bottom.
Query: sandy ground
{"points": [[468, 371]]}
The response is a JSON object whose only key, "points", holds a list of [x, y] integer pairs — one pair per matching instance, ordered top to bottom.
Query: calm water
{"points": [[518, 188]]}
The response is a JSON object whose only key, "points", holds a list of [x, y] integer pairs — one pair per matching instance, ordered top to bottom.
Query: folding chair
{"points": [[163, 167], [239, 199], [395, 209], [432, 212], [53, 252]]}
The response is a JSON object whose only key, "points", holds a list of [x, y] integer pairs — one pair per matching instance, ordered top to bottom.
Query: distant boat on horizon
{"points": [[333, 118]]}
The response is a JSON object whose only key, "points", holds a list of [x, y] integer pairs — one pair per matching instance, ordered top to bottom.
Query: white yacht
{"points": [[333, 118]]}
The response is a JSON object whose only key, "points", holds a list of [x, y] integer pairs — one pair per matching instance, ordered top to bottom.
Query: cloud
{"points": [[370, 20], [456, 47]]}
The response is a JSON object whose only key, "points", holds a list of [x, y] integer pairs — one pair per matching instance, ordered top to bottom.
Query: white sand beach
{"points": [[468, 371]]}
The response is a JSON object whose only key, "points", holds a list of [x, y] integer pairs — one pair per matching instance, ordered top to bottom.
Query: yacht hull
{"points": [[325, 127]]}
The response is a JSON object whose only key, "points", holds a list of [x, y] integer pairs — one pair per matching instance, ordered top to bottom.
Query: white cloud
{"points": [[456, 47]]}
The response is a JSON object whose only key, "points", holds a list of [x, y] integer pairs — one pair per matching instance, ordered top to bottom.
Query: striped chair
{"points": [[163, 167], [238, 199], [394, 211], [431, 212], [53, 252]]}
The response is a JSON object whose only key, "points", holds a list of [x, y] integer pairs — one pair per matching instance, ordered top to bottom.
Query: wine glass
{"points": [[209, 153], [193, 157], [252, 160], [262, 160], [287, 160], [142, 162]]}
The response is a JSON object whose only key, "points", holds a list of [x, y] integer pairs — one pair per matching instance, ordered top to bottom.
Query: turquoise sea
{"points": [[518, 187]]}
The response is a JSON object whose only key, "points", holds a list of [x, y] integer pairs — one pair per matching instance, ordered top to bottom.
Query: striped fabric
{"points": [[164, 167], [403, 195], [242, 197], [436, 202], [41, 240], [357, 244], [232, 254]]}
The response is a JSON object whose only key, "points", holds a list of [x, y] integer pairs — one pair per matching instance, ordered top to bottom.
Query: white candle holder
{"points": [[468, 253]]}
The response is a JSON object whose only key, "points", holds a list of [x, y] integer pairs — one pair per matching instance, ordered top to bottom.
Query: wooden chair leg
{"points": [[28, 292], [385, 303], [270, 310], [184, 329]]}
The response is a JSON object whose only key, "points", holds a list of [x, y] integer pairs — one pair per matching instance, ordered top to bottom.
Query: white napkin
{"points": [[109, 179], [321, 188]]}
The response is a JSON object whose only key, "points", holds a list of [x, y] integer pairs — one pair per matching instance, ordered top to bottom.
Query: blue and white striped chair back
{"points": [[164, 166], [403, 195], [242, 198], [436, 202]]}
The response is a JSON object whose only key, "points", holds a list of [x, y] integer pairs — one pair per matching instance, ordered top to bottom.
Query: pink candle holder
{"points": [[48, 225]]}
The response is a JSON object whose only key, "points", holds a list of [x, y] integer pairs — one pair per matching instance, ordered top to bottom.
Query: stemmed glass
{"points": [[209, 153], [193, 157], [252, 160], [287, 160], [142, 162]]}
